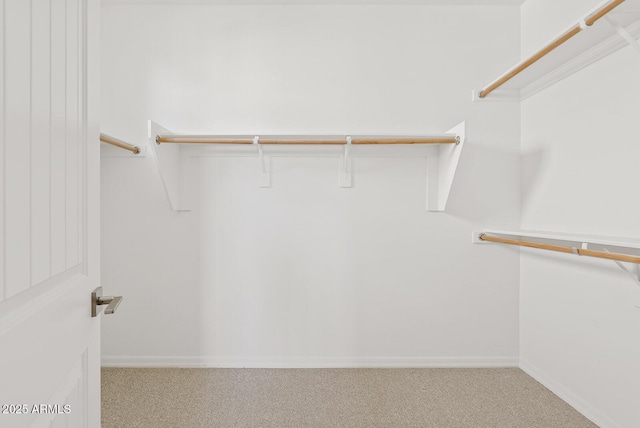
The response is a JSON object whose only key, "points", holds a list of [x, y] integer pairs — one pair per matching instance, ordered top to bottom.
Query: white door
{"points": [[49, 208]]}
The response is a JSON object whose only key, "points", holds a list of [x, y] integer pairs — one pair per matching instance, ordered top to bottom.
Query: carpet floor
{"points": [[296, 398]]}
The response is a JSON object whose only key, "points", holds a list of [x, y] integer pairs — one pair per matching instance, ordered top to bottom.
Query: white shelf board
{"points": [[585, 48], [173, 160], [633, 243]]}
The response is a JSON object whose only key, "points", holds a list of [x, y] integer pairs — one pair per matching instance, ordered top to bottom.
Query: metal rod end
{"points": [[157, 139], [457, 140], [136, 150], [481, 236]]}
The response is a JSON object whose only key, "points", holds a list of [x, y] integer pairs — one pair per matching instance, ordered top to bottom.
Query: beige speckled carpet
{"points": [[439, 398]]}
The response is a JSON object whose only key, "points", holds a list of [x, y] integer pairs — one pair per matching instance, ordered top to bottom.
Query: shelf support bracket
{"points": [[624, 33], [265, 164], [174, 166], [346, 166], [441, 170], [634, 272]]}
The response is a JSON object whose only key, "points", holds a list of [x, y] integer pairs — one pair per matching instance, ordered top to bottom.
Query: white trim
{"points": [[311, 362], [566, 394]]}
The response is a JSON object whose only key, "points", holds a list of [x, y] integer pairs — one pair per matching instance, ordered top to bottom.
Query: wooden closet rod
{"points": [[589, 21], [202, 140], [267, 140], [432, 140], [115, 142], [562, 249]]}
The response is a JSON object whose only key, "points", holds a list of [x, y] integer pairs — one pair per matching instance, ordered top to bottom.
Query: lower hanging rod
{"points": [[302, 141], [115, 142], [563, 249]]}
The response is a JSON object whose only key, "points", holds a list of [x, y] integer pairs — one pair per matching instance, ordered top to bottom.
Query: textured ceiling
{"points": [[319, 2]]}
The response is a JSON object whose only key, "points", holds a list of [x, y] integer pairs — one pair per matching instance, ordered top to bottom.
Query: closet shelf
{"points": [[609, 27], [119, 144], [172, 154], [580, 245]]}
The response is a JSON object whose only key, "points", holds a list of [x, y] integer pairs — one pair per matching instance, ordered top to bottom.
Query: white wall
{"points": [[307, 273], [579, 318]]}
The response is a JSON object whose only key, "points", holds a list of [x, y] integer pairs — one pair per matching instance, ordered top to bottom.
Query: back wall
{"points": [[306, 273]]}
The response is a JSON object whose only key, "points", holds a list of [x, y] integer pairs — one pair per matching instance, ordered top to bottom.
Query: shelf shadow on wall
{"points": [[531, 164], [490, 182]]}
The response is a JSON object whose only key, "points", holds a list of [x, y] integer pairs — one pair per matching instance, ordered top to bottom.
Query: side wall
{"points": [[306, 273], [579, 318]]}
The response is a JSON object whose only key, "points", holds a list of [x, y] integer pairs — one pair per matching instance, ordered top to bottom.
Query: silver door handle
{"points": [[97, 299], [112, 301]]}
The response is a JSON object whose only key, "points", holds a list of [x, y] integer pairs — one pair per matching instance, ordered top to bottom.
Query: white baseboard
{"points": [[430, 362], [566, 394]]}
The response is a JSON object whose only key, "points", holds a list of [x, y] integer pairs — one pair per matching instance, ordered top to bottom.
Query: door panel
{"points": [[17, 64], [42, 136], [58, 136], [40, 142], [2, 152], [72, 166], [49, 191]]}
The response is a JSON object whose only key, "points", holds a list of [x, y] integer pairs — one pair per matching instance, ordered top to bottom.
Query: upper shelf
{"points": [[593, 37], [172, 154]]}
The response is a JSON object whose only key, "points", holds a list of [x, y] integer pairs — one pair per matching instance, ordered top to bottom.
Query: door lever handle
{"points": [[97, 299], [112, 301]]}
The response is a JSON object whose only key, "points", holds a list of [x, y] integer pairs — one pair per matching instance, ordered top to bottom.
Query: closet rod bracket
{"points": [[583, 24], [623, 33], [265, 163], [346, 165], [633, 272]]}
